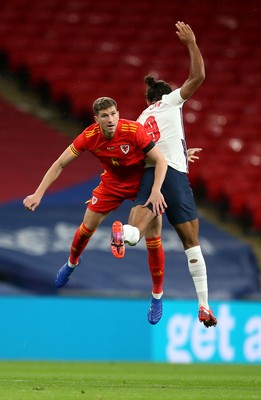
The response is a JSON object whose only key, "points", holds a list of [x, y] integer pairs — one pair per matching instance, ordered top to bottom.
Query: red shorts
{"points": [[106, 198]]}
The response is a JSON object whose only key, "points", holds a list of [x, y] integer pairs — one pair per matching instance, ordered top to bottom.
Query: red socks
{"points": [[80, 241], [156, 259]]}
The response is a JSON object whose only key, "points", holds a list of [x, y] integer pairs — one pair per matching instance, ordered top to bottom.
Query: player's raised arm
{"points": [[197, 67], [32, 201]]}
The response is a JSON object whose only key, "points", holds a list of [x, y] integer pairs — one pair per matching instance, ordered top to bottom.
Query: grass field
{"points": [[125, 381]]}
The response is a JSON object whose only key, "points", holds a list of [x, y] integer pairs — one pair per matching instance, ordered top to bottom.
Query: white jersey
{"points": [[164, 122]]}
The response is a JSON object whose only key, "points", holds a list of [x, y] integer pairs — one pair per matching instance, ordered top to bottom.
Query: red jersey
{"points": [[122, 157]]}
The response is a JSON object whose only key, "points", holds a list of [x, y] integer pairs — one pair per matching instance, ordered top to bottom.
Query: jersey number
{"points": [[151, 128], [115, 162]]}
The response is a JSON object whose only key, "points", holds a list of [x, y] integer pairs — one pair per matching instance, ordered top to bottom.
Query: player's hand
{"points": [[185, 33], [191, 154], [31, 202], [158, 203]]}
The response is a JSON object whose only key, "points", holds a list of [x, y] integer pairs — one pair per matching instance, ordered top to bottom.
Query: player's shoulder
{"points": [[173, 98], [127, 125], [91, 130]]}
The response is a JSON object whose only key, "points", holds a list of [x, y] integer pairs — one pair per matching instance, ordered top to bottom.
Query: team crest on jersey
{"points": [[125, 148], [94, 200]]}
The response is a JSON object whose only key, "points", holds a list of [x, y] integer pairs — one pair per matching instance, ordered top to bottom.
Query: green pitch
{"points": [[127, 381]]}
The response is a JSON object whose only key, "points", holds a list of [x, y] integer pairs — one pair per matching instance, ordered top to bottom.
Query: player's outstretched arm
{"points": [[197, 67], [32, 201]]}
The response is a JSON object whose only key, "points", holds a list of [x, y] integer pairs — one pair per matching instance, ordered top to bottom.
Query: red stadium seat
{"points": [[80, 52]]}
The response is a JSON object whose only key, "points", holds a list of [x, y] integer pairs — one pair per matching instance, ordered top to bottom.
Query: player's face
{"points": [[108, 120]]}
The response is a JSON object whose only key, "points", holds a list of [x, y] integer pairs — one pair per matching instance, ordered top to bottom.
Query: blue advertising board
{"points": [[105, 329], [179, 338]]}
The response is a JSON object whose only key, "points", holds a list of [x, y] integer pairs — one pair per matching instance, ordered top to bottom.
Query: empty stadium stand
{"points": [[75, 51]]}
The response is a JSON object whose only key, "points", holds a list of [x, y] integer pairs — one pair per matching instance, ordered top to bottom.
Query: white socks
{"points": [[131, 235], [71, 265], [197, 269], [157, 295]]}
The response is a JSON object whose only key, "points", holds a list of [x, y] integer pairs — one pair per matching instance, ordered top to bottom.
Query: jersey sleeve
{"points": [[174, 98], [144, 141], [78, 146], [148, 147]]}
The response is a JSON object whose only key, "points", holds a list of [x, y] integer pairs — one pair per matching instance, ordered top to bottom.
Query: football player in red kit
{"points": [[121, 146]]}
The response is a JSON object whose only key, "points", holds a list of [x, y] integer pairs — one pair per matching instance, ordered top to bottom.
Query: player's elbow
{"points": [[202, 76], [199, 79]]}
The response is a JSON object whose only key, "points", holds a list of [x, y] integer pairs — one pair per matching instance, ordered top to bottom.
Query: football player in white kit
{"points": [[163, 121]]}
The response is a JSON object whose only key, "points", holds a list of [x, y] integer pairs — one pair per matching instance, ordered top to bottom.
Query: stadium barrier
{"points": [[105, 329]]}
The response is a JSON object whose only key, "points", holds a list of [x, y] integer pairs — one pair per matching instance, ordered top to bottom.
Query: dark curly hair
{"points": [[156, 89]]}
